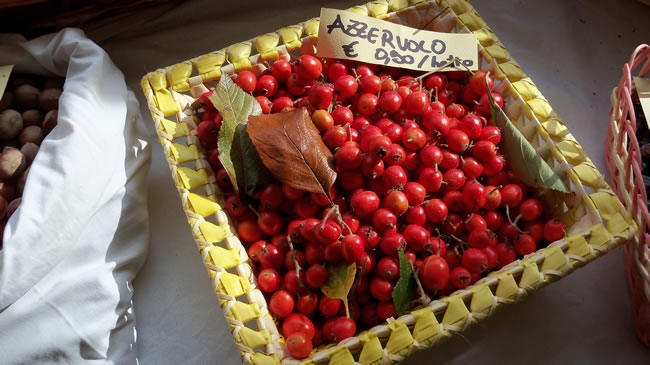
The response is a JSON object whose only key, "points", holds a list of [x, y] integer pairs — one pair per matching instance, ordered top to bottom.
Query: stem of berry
{"points": [[339, 219], [514, 223], [461, 244], [294, 257], [424, 298]]}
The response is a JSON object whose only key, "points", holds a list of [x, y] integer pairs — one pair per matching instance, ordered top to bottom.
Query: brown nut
{"points": [[27, 96], [48, 99], [32, 117], [50, 121], [11, 124], [33, 134], [30, 150], [12, 163], [8, 190]]}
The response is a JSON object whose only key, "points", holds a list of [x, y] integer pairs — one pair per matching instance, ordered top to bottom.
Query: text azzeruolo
{"points": [[391, 47]]}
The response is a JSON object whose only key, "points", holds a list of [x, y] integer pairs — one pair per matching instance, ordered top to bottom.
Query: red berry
{"points": [[308, 67], [281, 70], [335, 70], [246, 80], [478, 82], [370, 84], [267, 85], [346, 86], [320, 95], [390, 101], [416, 103], [367, 104], [208, 133], [414, 138], [457, 140], [348, 156], [431, 156], [471, 167], [395, 177], [431, 179], [454, 179], [415, 193], [511, 195], [474, 196], [364, 202], [396, 202], [530, 209], [436, 210], [384, 220], [270, 222], [554, 230], [249, 231], [327, 232], [416, 237], [482, 238], [390, 242], [524, 244], [352, 246], [505, 253], [271, 256], [475, 260], [387, 268], [434, 272], [316, 275], [460, 277], [268, 280], [381, 289], [281, 303], [307, 303], [329, 307], [298, 322], [343, 328], [298, 345]]}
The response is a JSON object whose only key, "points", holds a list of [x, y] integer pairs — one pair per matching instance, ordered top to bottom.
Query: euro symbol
{"points": [[349, 49]]}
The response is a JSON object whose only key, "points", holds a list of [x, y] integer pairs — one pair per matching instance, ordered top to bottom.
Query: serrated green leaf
{"points": [[235, 106], [522, 156], [339, 282], [406, 287]]}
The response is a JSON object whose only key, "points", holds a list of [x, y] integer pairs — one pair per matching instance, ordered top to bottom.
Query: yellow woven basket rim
{"points": [[598, 222]]}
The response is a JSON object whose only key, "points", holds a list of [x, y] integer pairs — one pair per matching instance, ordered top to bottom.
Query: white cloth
{"points": [[82, 232]]}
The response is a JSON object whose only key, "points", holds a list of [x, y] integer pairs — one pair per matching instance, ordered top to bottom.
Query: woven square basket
{"points": [[623, 155], [596, 220]]}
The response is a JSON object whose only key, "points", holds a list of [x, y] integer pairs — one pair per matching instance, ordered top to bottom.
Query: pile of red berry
{"points": [[419, 173]]}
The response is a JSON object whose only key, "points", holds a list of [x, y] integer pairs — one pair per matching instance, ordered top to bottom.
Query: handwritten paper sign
{"points": [[347, 35], [5, 71], [642, 86]]}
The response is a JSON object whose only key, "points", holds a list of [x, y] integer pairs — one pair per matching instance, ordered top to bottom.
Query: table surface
{"points": [[574, 52]]}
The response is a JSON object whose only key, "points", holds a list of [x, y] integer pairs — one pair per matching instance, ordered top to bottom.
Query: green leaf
{"points": [[235, 149], [522, 156], [249, 169], [339, 282], [406, 287]]}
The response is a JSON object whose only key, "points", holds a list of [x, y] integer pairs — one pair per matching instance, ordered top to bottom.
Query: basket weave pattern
{"points": [[623, 157], [594, 215]]}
